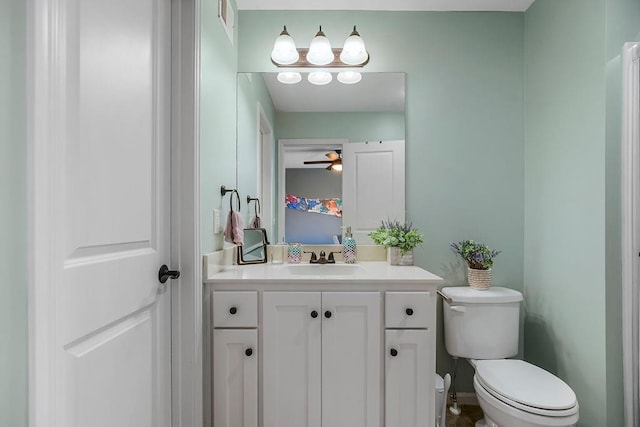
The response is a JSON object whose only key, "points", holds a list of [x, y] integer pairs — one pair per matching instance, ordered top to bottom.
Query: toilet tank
{"points": [[481, 324]]}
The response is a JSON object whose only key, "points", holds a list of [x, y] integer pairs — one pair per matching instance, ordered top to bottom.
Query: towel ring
{"points": [[224, 191], [257, 208]]}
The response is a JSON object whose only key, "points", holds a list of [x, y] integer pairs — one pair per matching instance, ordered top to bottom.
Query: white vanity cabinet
{"points": [[321, 346], [409, 358], [321, 359]]}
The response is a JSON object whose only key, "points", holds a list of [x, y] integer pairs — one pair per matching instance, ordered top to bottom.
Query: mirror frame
{"points": [[241, 253]]}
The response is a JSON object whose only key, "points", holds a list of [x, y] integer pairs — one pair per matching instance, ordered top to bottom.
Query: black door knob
{"points": [[165, 274], [233, 310], [409, 311], [314, 314], [327, 314], [248, 352], [393, 352]]}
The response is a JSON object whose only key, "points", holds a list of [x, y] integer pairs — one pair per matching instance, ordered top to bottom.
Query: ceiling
{"points": [[388, 5], [375, 92]]}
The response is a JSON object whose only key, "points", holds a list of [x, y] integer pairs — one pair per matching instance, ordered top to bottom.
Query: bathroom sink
{"points": [[324, 269]]}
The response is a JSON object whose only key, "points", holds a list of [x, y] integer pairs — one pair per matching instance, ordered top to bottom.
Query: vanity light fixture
{"points": [[353, 54], [289, 77], [349, 77], [319, 78], [336, 166]]}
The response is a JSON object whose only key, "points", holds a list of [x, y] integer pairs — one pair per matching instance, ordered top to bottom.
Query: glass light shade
{"points": [[284, 49], [354, 51], [320, 52], [349, 77], [289, 78], [319, 78], [337, 167]]}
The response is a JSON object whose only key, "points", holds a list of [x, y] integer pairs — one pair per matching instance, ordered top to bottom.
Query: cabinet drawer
{"points": [[235, 309], [409, 309]]}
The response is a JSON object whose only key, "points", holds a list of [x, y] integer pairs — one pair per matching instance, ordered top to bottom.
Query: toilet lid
{"points": [[526, 384]]}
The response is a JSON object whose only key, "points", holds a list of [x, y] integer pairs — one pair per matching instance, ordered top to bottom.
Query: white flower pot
{"points": [[395, 257], [479, 279]]}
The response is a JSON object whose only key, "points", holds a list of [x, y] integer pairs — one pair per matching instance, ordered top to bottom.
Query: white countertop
{"points": [[361, 272]]}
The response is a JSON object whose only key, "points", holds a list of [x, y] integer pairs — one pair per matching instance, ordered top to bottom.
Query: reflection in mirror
{"points": [[331, 116], [254, 249]]}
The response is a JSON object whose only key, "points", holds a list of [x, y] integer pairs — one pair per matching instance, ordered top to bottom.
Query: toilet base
{"points": [[481, 423]]}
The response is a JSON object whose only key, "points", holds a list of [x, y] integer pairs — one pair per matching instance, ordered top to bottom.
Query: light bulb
{"points": [[284, 49], [354, 51], [320, 52], [319, 78]]}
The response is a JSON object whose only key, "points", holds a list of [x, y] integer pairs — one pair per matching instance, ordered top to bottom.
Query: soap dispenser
{"points": [[349, 248]]}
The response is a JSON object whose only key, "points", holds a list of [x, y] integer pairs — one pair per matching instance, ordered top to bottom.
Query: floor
{"points": [[467, 418]]}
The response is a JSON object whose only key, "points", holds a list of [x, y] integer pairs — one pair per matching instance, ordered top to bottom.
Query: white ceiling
{"points": [[434, 5], [375, 92]]}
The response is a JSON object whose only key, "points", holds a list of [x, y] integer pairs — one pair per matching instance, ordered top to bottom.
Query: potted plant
{"points": [[399, 239], [479, 260]]}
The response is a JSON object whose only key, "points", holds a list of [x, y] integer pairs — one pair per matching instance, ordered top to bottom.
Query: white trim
{"points": [[43, 129], [283, 146], [266, 169], [630, 174], [186, 297]]}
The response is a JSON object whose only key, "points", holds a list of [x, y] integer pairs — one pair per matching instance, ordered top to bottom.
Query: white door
{"points": [[373, 185], [102, 328], [291, 359], [235, 378], [408, 379], [351, 380]]}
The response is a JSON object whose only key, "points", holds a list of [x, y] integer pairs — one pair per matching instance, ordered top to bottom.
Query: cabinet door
{"points": [[291, 359], [351, 366], [409, 372], [235, 378]]}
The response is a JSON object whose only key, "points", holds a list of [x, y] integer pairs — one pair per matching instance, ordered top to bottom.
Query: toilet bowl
{"points": [[482, 326], [515, 393]]}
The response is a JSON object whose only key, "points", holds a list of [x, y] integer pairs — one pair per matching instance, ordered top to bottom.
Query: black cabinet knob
{"points": [[233, 310], [409, 311], [314, 314], [327, 314], [248, 352], [393, 352]]}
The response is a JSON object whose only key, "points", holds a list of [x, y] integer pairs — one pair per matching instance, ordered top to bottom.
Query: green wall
{"points": [[218, 64], [464, 122], [356, 127], [13, 226], [564, 270]]}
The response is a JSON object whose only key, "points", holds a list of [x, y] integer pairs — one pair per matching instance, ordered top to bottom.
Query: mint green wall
{"points": [[622, 25], [251, 91], [217, 120], [464, 122], [356, 127], [13, 227], [564, 250]]}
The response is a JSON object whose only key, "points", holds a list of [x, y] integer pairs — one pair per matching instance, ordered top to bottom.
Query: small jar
{"points": [[277, 253], [294, 253]]}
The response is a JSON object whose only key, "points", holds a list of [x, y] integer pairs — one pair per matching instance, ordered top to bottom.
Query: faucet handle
{"points": [[314, 257], [331, 259]]}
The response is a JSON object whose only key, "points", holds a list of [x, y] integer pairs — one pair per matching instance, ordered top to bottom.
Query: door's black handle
{"points": [[165, 274], [409, 311], [314, 314], [327, 314], [393, 352]]}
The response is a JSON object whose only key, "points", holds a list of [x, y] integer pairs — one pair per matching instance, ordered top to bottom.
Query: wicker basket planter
{"points": [[395, 257], [479, 279]]}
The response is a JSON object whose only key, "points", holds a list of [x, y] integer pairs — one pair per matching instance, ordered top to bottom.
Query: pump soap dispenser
{"points": [[349, 248]]}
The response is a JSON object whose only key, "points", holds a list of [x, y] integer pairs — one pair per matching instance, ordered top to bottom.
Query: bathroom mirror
{"points": [[330, 115], [254, 249]]}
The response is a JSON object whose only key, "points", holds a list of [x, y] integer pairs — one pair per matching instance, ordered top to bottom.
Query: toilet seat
{"points": [[526, 387]]}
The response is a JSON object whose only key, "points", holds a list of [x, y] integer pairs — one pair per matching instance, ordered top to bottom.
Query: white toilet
{"points": [[483, 327]]}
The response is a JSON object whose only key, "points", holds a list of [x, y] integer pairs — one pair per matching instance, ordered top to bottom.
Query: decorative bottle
{"points": [[349, 247]]}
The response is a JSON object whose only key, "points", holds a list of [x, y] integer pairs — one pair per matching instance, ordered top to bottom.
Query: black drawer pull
{"points": [[233, 310], [409, 311], [314, 314], [327, 314], [248, 352], [393, 352]]}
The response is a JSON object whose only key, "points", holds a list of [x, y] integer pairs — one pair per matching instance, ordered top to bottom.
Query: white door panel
{"points": [[373, 185], [108, 192], [351, 339], [291, 359]]}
